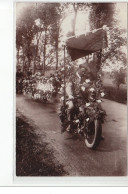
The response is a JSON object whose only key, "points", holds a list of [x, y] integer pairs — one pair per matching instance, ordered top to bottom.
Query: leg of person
{"points": [[69, 112]]}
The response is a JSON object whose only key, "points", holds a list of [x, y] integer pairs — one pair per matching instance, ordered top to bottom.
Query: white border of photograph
{"points": [[7, 115]]}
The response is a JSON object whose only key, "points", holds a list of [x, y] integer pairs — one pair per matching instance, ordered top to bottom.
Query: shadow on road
{"points": [[33, 158]]}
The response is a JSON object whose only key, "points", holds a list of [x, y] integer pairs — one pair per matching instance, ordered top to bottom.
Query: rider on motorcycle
{"points": [[83, 73]]}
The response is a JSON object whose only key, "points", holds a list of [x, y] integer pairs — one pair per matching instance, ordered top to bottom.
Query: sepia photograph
{"points": [[70, 89]]}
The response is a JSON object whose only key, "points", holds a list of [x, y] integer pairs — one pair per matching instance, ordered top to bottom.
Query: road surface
{"points": [[109, 159]]}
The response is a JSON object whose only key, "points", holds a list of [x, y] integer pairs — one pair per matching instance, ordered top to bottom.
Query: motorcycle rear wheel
{"points": [[93, 138]]}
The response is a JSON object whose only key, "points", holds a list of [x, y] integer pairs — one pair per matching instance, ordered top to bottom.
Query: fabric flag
{"points": [[84, 45]]}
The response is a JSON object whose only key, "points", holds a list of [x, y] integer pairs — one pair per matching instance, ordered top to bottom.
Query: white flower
{"points": [[105, 27], [95, 30], [108, 36], [51, 78], [87, 80], [62, 85], [83, 88], [92, 89], [61, 90], [102, 94], [71, 97], [62, 98], [99, 101], [87, 104], [80, 109], [87, 119], [77, 121]]}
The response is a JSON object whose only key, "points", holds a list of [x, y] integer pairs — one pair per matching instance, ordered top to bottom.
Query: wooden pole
{"points": [[64, 80]]}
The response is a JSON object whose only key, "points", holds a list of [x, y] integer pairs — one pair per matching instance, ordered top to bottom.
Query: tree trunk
{"points": [[75, 12], [37, 50], [44, 51], [57, 54], [18, 55], [56, 58], [24, 63], [118, 86]]}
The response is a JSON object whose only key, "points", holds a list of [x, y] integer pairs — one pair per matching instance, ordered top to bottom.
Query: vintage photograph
{"points": [[71, 89]]}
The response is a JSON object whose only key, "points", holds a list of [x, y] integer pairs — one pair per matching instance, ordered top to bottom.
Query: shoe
{"points": [[68, 128], [102, 137]]}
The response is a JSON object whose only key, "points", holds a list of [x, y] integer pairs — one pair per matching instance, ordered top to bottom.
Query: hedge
{"points": [[118, 95]]}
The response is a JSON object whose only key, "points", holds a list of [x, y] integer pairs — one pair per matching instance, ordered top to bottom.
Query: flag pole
{"points": [[64, 80]]}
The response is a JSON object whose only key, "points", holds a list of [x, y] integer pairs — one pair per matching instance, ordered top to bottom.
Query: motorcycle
{"points": [[87, 115], [85, 119]]}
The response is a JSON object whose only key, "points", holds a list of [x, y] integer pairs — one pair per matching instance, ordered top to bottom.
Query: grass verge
{"points": [[33, 157]]}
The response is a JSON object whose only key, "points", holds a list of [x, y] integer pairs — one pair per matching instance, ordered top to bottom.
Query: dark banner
{"points": [[86, 44]]}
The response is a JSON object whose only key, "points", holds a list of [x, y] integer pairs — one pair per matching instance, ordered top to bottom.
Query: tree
{"points": [[45, 11], [101, 14], [104, 14], [50, 16], [55, 28], [26, 30], [19, 42], [113, 56], [118, 78]]}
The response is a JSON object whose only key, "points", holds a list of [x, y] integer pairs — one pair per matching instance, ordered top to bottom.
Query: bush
{"points": [[118, 78], [118, 95]]}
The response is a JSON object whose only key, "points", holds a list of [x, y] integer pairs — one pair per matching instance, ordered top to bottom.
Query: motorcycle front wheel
{"points": [[93, 135]]}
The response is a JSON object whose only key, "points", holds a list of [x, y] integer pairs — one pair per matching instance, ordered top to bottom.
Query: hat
{"points": [[84, 67]]}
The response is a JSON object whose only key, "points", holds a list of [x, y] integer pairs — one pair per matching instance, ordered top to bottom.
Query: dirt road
{"points": [[109, 159]]}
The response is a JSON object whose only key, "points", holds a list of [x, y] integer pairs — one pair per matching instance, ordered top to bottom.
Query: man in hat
{"points": [[84, 72]]}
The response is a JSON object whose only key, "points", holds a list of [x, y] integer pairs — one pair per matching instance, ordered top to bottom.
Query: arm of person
{"points": [[78, 76], [69, 90]]}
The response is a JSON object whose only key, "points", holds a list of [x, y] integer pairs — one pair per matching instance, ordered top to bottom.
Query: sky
{"points": [[122, 14], [82, 21]]}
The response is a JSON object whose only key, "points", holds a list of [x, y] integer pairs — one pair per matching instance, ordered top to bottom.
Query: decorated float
{"points": [[87, 114]]}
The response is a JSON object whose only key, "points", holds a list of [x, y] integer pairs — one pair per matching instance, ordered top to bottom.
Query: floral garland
{"points": [[39, 87], [90, 94]]}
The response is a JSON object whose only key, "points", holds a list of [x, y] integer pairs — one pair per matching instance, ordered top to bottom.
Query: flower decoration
{"points": [[105, 27], [87, 81], [62, 85], [41, 87], [83, 88], [92, 89], [102, 94], [71, 97], [62, 99], [87, 104], [77, 121]]}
